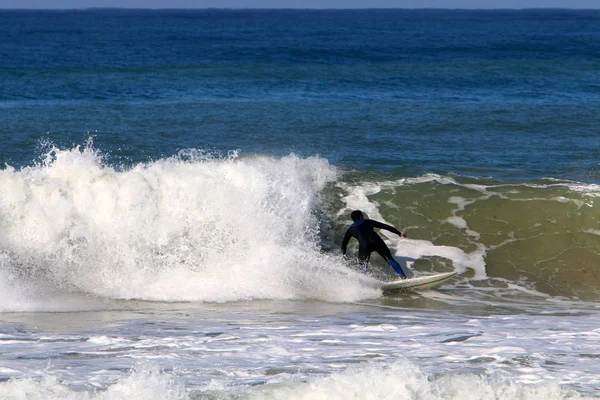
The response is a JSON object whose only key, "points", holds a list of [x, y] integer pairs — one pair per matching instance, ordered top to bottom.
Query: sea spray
{"points": [[191, 227]]}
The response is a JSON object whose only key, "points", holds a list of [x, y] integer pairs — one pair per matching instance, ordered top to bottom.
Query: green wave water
{"points": [[540, 234]]}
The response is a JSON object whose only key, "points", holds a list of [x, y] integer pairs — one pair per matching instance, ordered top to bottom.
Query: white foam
{"points": [[457, 221], [192, 227], [20, 295], [398, 380], [403, 380], [145, 382]]}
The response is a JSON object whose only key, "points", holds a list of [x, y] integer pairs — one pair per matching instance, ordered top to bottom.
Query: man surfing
{"points": [[369, 240]]}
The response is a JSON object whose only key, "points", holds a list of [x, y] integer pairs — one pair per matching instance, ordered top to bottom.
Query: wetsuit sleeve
{"points": [[390, 228], [347, 237]]}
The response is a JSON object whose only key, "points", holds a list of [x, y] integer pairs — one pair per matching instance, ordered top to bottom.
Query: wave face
{"points": [[191, 227], [200, 227], [540, 234]]}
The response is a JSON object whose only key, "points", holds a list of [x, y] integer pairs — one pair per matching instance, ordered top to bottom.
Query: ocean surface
{"points": [[174, 187]]}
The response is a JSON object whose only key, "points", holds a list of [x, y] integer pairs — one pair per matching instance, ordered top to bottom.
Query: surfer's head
{"points": [[356, 215]]}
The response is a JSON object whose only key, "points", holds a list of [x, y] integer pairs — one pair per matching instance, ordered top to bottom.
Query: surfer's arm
{"points": [[386, 227], [347, 237]]}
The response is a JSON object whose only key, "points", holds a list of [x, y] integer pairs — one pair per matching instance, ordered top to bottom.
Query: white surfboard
{"points": [[421, 282]]}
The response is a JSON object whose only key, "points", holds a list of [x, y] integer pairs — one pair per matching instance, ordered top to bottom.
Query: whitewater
{"points": [[186, 228], [218, 276]]}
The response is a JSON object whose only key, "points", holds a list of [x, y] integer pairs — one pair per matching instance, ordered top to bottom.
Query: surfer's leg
{"points": [[364, 254], [387, 256], [396, 267]]}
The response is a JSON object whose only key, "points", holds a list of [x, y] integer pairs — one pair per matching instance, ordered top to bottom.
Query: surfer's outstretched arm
{"points": [[386, 227]]}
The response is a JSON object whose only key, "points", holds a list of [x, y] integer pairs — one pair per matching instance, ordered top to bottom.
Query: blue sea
{"points": [[175, 185]]}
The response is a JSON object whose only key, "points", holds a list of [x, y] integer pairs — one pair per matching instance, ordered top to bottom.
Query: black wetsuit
{"points": [[368, 240]]}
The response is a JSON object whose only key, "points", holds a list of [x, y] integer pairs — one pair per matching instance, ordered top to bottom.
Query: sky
{"points": [[484, 4]]}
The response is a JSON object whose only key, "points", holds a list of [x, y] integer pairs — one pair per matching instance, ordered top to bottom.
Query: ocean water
{"points": [[175, 184]]}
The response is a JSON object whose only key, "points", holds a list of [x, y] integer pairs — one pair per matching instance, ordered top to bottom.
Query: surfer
{"points": [[369, 241]]}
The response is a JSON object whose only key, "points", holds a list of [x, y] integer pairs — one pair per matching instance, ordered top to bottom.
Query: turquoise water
{"points": [[174, 187]]}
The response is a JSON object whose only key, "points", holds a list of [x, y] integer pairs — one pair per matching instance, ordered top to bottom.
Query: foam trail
{"points": [[191, 227]]}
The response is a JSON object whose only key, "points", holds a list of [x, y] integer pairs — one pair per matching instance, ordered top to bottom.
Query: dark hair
{"points": [[356, 215]]}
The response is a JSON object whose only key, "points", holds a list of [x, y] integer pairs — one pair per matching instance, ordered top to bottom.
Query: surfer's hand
{"points": [[403, 234]]}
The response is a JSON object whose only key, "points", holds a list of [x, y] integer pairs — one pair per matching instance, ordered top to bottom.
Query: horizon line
{"points": [[298, 8]]}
